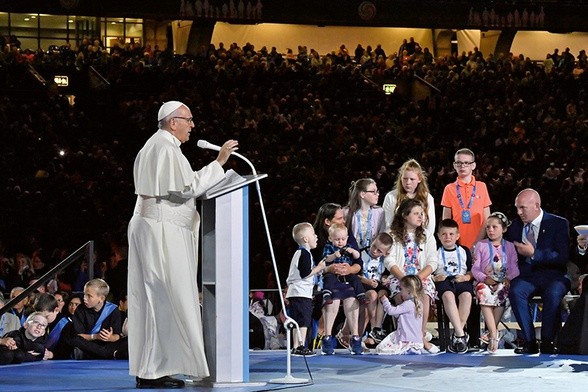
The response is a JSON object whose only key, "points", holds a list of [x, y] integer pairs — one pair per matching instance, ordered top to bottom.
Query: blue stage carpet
{"points": [[502, 372]]}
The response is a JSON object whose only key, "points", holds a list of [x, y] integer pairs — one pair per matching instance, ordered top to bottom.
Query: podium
{"points": [[225, 281]]}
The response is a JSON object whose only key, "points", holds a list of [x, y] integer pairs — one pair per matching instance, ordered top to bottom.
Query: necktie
{"points": [[530, 234]]}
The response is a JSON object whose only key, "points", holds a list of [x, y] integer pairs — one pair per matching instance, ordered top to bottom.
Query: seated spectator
{"points": [[496, 265], [453, 281], [62, 297], [72, 305], [19, 309], [8, 321], [97, 326], [58, 329], [573, 337], [26, 343]]}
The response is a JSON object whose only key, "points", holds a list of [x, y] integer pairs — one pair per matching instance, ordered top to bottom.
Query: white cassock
{"points": [[165, 326]]}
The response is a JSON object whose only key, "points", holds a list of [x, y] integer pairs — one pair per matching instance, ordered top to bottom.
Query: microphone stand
{"points": [[289, 323]]}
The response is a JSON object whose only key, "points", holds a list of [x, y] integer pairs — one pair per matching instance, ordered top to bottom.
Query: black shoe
{"points": [[327, 299], [363, 300], [527, 348], [548, 348], [302, 351], [121, 354], [159, 383]]}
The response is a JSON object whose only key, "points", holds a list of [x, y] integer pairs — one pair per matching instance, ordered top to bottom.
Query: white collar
{"points": [[537, 221]]}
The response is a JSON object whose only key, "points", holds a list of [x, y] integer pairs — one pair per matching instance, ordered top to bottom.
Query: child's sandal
{"points": [[485, 339], [492, 345]]}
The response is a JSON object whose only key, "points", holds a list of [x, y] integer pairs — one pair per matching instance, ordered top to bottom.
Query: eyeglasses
{"points": [[189, 119], [462, 164], [376, 192], [75, 303], [40, 324]]}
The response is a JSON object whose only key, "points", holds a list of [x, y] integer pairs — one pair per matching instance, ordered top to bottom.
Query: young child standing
{"points": [[466, 200], [362, 214], [337, 251], [495, 265], [453, 281], [300, 283], [97, 325], [408, 337], [26, 343]]}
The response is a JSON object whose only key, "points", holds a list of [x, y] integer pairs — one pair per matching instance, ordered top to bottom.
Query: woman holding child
{"points": [[329, 214]]}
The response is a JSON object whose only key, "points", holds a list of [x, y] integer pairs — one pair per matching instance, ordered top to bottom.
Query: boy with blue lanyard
{"points": [[453, 281], [57, 329], [96, 332]]}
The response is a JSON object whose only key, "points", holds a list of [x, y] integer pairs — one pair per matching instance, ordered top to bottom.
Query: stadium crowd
{"points": [[308, 120]]}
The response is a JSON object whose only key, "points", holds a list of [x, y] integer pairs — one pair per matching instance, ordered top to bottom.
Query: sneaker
{"points": [[327, 299], [363, 300], [378, 334], [458, 344], [327, 346], [355, 346], [302, 351]]}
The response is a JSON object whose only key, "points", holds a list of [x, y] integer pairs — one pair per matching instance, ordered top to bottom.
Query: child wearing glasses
{"points": [[466, 200], [495, 265], [26, 343]]}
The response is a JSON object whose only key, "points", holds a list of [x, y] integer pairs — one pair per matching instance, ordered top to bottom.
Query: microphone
{"points": [[209, 146]]}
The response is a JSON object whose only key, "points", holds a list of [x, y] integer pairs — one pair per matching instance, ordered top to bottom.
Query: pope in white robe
{"points": [[165, 326]]}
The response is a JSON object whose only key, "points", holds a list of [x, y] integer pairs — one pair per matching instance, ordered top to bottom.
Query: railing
{"points": [[86, 250]]}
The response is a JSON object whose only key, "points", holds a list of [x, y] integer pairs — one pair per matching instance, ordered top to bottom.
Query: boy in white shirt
{"points": [[300, 283]]}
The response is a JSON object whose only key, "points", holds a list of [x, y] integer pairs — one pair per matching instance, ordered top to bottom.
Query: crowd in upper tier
{"points": [[308, 120]]}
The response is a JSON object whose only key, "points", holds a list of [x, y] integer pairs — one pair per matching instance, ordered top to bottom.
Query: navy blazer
{"points": [[553, 243]]}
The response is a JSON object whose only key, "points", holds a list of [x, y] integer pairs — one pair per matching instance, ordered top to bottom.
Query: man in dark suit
{"points": [[542, 243]]}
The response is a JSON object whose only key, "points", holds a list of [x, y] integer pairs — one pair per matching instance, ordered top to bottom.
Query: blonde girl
{"points": [[411, 183], [407, 339]]}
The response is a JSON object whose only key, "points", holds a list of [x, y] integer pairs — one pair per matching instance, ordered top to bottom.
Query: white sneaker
{"points": [[428, 336]]}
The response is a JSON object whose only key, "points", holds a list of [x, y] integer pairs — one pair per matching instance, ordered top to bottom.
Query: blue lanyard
{"points": [[460, 199], [368, 231], [491, 250], [445, 263], [22, 318], [2, 325]]}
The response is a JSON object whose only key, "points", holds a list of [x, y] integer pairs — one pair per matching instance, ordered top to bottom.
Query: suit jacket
{"points": [[553, 242]]}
